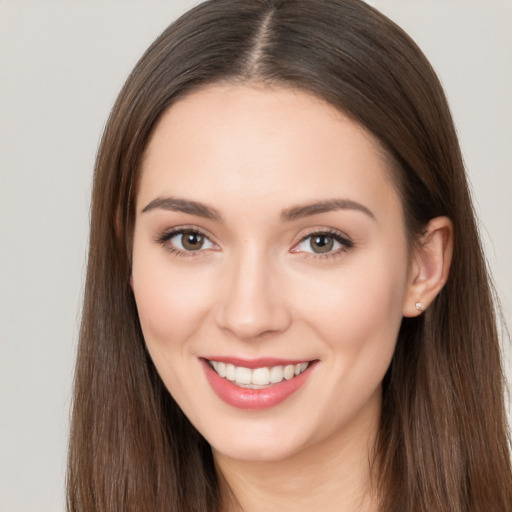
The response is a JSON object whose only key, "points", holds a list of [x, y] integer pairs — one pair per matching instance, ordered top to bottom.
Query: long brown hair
{"points": [[442, 443]]}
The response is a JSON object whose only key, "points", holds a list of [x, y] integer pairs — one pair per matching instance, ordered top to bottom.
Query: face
{"points": [[270, 268]]}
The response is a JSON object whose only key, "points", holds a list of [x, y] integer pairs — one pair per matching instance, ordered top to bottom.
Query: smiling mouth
{"points": [[257, 378]]}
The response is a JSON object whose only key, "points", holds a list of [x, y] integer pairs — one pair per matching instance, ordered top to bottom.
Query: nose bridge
{"points": [[252, 302]]}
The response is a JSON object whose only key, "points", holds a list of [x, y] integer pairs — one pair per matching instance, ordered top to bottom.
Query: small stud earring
{"points": [[419, 306]]}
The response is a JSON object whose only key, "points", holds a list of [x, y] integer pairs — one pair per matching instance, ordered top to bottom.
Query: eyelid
{"points": [[166, 235], [342, 238]]}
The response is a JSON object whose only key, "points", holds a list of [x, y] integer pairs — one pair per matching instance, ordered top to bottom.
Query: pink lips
{"points": [[246, 398]]}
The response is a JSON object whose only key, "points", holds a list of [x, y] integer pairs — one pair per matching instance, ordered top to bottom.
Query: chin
{"points": [[260, 441], [262, 450]]}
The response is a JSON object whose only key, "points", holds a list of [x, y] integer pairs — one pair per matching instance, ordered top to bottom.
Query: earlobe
{"points": [[430, 266]]}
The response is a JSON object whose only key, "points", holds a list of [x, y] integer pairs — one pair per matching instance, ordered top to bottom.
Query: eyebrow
{"points": [[182, 205], [301, 211], [290, 214]]}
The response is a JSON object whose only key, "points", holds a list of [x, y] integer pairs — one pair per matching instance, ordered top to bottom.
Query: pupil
{"points": [[192, 241], [322, 243]]}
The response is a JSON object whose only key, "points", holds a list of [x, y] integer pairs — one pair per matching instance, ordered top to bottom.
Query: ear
{"points": [[430, 265]]}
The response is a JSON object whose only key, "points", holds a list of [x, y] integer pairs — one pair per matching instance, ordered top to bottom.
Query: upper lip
{"points": [[260, 362]]}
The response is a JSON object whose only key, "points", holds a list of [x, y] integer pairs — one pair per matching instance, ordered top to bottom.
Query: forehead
{"points": [[234, 144]]}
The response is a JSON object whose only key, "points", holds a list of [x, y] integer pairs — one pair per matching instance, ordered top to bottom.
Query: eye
{"points": [[186, 241], [190, 241], [323, 243]]}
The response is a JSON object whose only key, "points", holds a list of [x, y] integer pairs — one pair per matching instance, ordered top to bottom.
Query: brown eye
{"points": [[187, 241], [192, 241], [321, 243]]}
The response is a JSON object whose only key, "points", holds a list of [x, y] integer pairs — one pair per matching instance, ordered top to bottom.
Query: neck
{"points": [[333, 475]]}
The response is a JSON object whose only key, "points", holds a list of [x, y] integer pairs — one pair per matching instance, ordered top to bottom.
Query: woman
{"points": [[286, 304]]}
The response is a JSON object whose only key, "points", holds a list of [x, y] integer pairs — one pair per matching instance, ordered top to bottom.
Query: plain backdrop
{"points": [[61, 66]]}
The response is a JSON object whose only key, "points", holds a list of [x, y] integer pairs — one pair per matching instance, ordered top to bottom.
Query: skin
{"points": [[256, 288]]}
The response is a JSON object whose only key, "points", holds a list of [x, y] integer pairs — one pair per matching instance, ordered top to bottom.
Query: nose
{"points": [[253, 299]]}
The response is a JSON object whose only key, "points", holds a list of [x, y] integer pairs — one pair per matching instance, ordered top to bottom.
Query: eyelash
{"points": [[165, 237], [345, 242]]}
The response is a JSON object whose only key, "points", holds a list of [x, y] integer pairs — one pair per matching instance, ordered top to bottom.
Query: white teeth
{"points": [[299, 368], [221, 369], [230, 372], [289, 372], [276, 374], [243, 375], [259, 377]]}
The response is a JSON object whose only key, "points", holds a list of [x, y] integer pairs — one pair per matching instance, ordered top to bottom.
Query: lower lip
{"points": [[246, 398]]}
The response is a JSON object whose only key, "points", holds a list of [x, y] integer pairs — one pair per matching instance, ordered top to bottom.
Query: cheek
{"points": [[171, 302], [357, 311], [355, 315]]}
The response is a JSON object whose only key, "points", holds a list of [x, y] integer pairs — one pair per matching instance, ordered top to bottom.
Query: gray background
{"points": [[61, 65]]}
